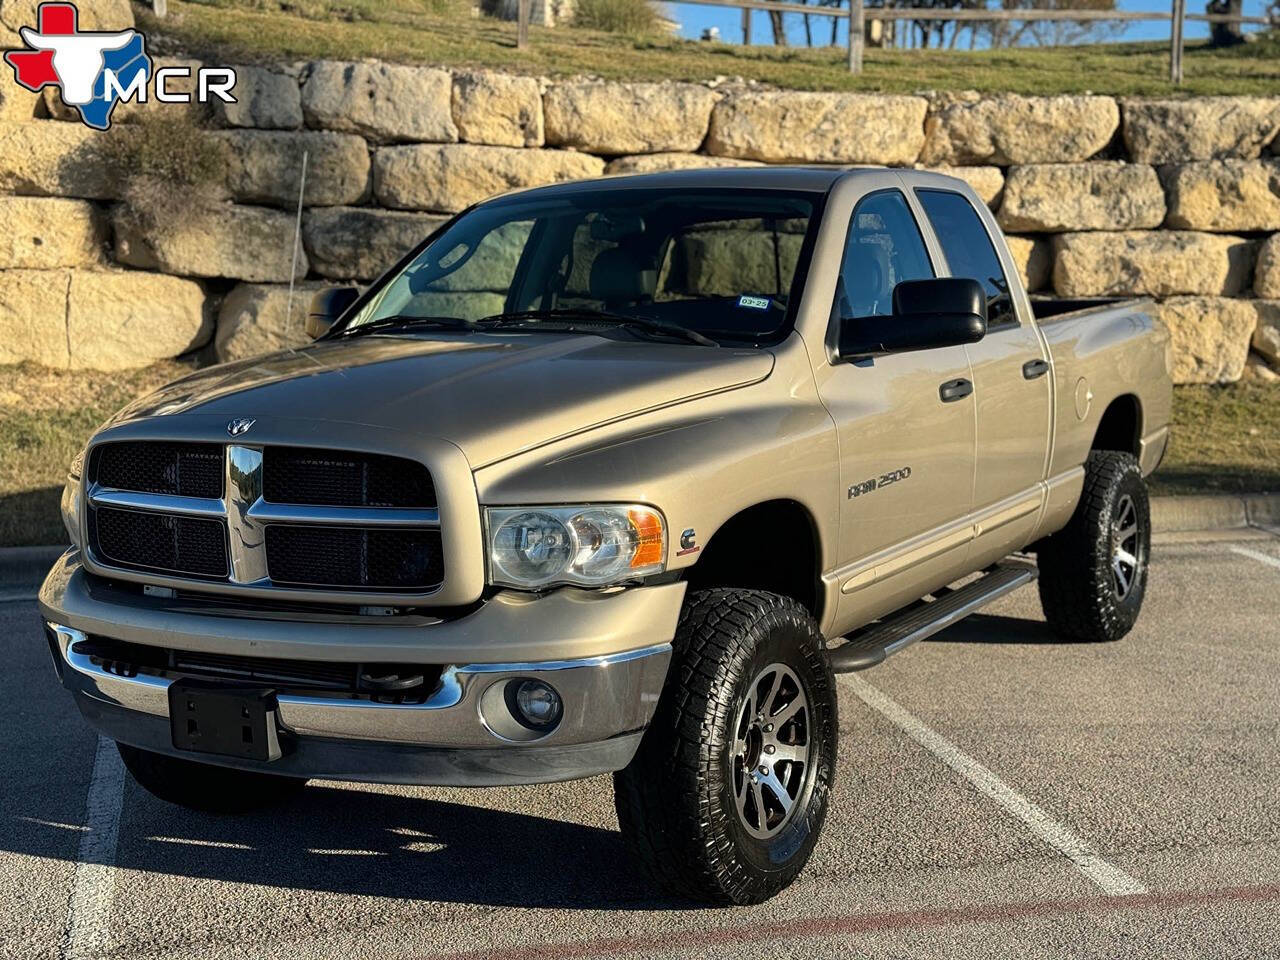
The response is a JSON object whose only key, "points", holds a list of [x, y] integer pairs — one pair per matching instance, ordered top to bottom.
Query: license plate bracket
{"points": [[225, 721]]}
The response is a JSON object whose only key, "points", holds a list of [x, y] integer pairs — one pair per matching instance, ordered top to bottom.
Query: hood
{"points": [[491, 394]]}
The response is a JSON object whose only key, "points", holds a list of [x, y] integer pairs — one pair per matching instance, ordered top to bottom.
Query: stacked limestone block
{"points": [[1176, 199]]}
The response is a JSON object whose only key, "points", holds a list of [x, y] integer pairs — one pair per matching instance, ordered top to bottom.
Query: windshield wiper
{"points": [[567, 315], [402, 321]]}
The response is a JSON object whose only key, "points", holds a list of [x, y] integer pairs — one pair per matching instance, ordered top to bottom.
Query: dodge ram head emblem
{"points": [[240, 426]]}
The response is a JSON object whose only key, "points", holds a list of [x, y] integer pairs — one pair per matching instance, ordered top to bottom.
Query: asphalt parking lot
{"points": [[999, 792]]}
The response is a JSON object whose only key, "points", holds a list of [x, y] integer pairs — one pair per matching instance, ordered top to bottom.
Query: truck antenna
{"points": [[297, 239]]}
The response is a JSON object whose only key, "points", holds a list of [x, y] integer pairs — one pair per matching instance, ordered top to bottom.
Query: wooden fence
{"points": [[858, 15]]}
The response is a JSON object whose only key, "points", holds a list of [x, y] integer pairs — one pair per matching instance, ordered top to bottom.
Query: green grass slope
{"points": [[444, 32]]}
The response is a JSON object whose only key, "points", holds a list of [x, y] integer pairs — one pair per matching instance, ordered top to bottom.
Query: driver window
{"points": [[883, 249], [969, 250]]}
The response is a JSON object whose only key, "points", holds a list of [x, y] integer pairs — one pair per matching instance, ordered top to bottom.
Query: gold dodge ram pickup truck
{"points": [[610, 477]]}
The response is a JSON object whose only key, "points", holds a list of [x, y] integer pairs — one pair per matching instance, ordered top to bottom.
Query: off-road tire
{"points": [[1079, 593], [203, 786], [676, 800]]}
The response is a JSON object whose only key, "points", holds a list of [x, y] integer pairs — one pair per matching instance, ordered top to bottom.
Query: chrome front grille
{"points": [[178, 469], [344, 478], [277, 517], [156, 541], [336, 556]]}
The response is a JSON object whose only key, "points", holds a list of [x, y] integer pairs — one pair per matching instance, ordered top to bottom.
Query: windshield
{"points": [[722, 263]]}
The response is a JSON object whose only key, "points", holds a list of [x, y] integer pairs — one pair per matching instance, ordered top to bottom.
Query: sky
{"points": [[694, 18]]}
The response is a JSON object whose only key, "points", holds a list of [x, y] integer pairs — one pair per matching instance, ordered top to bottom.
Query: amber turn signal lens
{"points": [[648, 527]]}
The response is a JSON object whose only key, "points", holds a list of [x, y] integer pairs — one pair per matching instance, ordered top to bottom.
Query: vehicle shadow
{"points": [[994, 629], [333, 839], [395, 842]]}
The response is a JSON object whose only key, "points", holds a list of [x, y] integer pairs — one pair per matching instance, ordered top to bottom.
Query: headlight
{"points": [[71, 498], [589, 545]]}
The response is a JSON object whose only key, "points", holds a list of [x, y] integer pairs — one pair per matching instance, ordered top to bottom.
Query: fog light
{"points": [[537, 704]]}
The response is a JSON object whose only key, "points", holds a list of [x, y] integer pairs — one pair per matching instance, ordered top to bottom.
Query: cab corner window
{"points": [[884, 247], [969, 250]]}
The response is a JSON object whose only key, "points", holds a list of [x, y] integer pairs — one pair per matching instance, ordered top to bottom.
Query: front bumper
{"points": [[461, 734]]}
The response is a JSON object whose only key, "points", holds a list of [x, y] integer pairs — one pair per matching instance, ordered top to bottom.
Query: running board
{"points": [[884, 638]]}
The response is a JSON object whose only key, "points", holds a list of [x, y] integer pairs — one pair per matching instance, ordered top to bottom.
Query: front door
{"points": [[906, 453]]}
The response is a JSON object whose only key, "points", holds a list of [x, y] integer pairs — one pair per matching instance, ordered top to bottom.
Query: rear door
{"points": [[1011, 376]]}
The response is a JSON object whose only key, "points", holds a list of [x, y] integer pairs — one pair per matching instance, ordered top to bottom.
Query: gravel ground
{"points": [[1159, 754]]}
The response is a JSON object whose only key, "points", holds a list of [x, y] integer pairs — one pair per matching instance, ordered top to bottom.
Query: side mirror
{"points": [[327, 306], [942, 312]]}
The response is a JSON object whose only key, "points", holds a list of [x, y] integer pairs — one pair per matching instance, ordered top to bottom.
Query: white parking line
{"points": [[1256, 555], [191, 842], [94, 878], [1110, 878]]}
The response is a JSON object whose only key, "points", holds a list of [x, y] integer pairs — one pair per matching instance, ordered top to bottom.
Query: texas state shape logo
{"points": [[94, 70]]}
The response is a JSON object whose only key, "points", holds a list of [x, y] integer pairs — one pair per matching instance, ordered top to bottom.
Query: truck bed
{"points": [[1053, 308], [1106, 350]]}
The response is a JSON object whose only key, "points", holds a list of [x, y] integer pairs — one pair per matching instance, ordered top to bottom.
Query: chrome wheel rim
{"points": [[1125, 546], [770, 751]]}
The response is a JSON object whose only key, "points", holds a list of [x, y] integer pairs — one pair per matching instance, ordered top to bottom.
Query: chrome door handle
{"points": [[1035, 368], [954, 390]]}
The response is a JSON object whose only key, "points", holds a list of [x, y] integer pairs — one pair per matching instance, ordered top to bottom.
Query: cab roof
{"points": [[811, 179]]}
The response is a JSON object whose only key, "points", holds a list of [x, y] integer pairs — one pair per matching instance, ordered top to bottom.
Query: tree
{"points": [[835, 21], [779, 31], [931, 32], [1012, 33], [1225, 34]]}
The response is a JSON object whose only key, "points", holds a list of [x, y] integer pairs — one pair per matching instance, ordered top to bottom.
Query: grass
{"points": [[634, 17], [444, 32], [45, 418], [1225, 439]]}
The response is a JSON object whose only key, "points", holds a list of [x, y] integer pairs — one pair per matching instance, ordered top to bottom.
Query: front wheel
{"points": [[1093, 572], [204, 786], [727, 794]]}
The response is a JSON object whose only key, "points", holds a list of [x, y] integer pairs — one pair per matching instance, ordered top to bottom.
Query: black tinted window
{"points": [[884, 248], [969, 250]]}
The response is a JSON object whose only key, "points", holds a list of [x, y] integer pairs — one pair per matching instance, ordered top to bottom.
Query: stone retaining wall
{"points": [[1179, 199]]}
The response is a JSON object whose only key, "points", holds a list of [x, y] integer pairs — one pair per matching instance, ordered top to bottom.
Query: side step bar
{"points": [[874, 643]]}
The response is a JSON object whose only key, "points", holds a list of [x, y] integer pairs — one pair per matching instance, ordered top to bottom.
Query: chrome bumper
{"points": [[462, 734], [455, 737]]}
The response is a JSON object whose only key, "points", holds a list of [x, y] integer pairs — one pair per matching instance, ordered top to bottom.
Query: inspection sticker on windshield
{"points": [[755, 303]]}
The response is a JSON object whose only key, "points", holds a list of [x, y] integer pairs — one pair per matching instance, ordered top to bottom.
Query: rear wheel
{"points": [[1093, 573], [203, 786], [725, 799]]}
